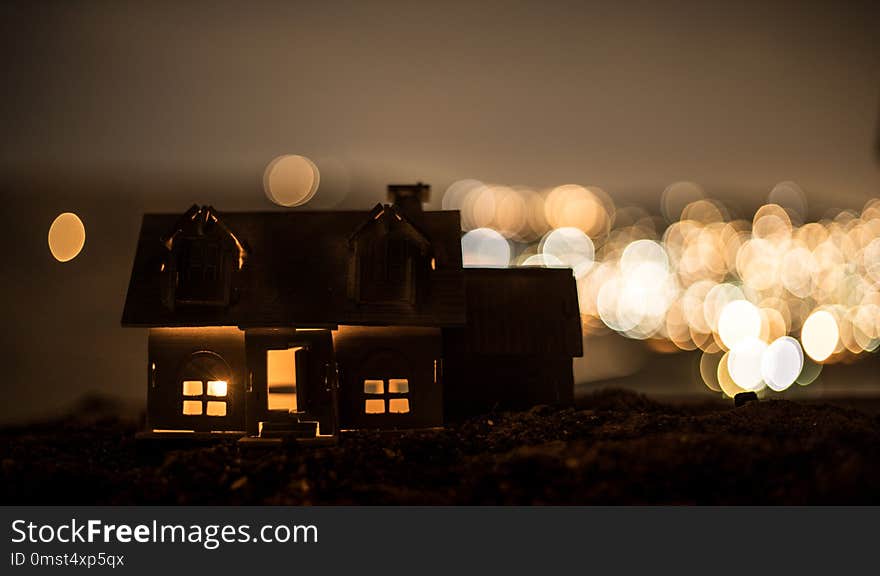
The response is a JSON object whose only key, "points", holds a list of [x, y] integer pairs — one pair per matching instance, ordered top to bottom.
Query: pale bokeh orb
{"points": [[291, 180], [677, 196], [789, 196], [453, 198], [572, 205], [67, 236], [572, 247], [484, 248], [642, 252], [871, 259], [543, 261], [719, 296], [739, 320], [820, 335], [744, 363], [782, 363], [709, 370], [809, 373], [725, 381]]}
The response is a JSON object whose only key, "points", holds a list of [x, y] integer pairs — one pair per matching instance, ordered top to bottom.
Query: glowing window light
{"points": [[291, 180], [67, 236], [572, 247], [484, 248], [738, 321], [820, 335], [744, 363], [782, 363], [374, 386], [398, 386], [192, 387], [217, 388], [398, 405], [374, 406], [192, 407], [216, 409]]}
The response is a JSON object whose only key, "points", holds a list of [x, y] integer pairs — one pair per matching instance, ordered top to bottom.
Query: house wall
{"points": [[171, 351], [383, 353], [480, 383]]}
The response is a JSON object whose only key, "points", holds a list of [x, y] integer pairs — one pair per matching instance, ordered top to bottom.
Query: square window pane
{"points": [[398, 386], [192, 387], [374, 387], [217, 388], [398, 405], [374, 406], [192, 407], [216, 408]]}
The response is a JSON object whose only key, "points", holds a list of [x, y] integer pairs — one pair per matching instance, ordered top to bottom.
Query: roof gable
{"points": [[294, 272]]}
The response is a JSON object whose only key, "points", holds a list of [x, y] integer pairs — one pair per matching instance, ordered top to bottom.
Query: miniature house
{"points": [[302, 324]]}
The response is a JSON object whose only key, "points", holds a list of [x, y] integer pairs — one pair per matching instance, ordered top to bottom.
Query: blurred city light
{"points": [[767, 299]]}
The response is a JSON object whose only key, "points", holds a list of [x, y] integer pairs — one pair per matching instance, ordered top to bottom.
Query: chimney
{"points": [[408, 199]]}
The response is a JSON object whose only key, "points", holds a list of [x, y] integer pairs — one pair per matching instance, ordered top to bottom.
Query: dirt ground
{"points": [[616, 447]]}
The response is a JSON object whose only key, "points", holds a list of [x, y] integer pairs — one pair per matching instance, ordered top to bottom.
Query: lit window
{"points": [[374, 386], [398, 386], [192, 387], [217, 388], [390, 392], [398, 405], [374, 406], [192, 407], [216, 408]]}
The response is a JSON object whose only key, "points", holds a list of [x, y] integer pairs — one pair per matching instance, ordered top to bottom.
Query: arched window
{"points": [[204, 384]]}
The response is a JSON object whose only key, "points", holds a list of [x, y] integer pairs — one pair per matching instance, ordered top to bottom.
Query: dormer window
{"points": [[389, 260], [203, 261]]}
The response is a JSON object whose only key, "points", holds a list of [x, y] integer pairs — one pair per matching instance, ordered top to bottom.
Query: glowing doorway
{"points": [[281, 379]]}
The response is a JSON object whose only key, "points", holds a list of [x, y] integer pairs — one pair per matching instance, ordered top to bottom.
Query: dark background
{"points": [[111, 109]]}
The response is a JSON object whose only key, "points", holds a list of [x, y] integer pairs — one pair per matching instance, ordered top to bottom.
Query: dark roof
{"points": [[295, 273], [522, 311]]}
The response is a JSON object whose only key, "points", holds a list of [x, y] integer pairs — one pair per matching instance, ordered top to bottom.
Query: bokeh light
{"points": [[291, 180], [67, 236], [570, 246], [484, 248], [741, 291], [739, 320], [820, 335], [744, 363], [782, 363], [725, 381]]}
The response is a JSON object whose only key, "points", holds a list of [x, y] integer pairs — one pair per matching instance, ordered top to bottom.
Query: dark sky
{"points": [[111, 109]]}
